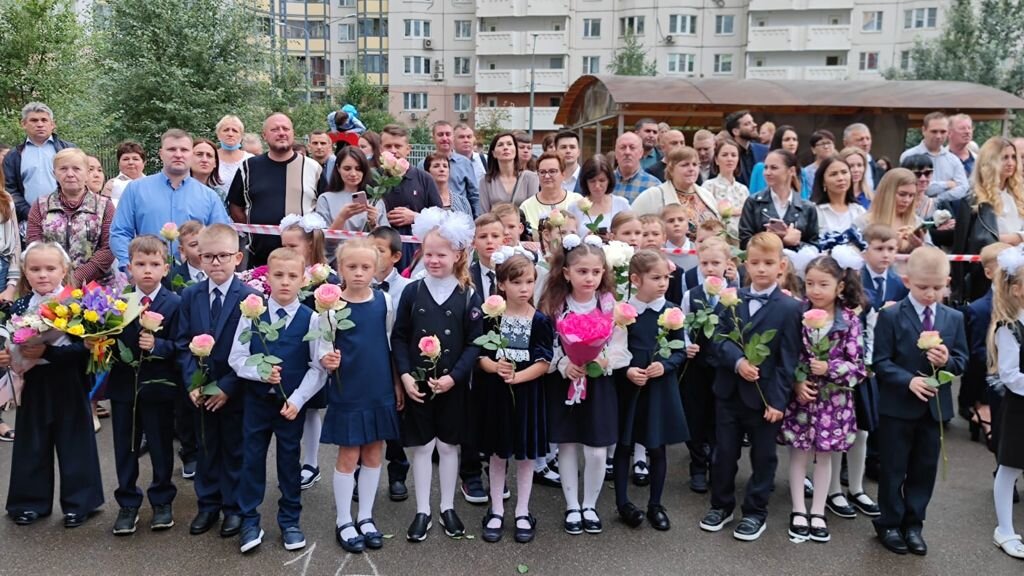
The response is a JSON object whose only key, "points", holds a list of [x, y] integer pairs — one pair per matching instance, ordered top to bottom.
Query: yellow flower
{"points": [[76, 293], [121, 305], [76, 309], [61, 311], [91, 316], [60, 323], [76, 330]]}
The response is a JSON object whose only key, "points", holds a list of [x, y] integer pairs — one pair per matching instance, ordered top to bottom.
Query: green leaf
{"points": [[342, 314], [346, 325], [272, 335], [768, 335], [312, 336], [246, 337], [482, 340], [676, 344], [490, 346], [664, 352], [126, 353], [271, 359], [254, 360], [264, 370], [594, 370], [945, 377], [198, 378], [161, 382], [932, 382], [211, 389], [522, 568]]}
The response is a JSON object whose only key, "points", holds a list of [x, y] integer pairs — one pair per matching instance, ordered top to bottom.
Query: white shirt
{"points": [[479, 169], [569, 184], [780, 206], [831, 221], [1009, 222], [684, 261], [195, 274], [486, 274], [875, 277], [396, 285], [440, 288], [223, 289], [152, 295], [37, 299], [755, 305], [919, 308], [1009, 359]]}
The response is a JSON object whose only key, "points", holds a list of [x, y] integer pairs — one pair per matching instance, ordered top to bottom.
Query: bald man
{"points": [[668, 141], [630, 178]]}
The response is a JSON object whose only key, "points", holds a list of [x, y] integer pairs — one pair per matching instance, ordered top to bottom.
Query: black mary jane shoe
{"points": [[843, 511], [631, 515], [26, 517], [658, 518], [591, 526], [574, 528], [797, 531], [819, 533], [493, 534], [524, 535], [374, 540], [355, 544]]}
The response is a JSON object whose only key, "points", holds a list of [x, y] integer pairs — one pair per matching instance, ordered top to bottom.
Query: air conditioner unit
{"points": [[669, 39], [428, 44], [438, 76], [463, 115], [413, 116]]}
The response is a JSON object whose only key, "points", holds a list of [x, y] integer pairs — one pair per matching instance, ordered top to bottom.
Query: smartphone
{"points": [[359, 198], [776, 225]]}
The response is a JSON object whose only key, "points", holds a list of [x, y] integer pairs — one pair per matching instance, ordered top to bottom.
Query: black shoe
{"points": [[188, 470], [640, 475], [308, 476], [547, 477], [699, 483], [397, 491], [473, 491], [866, 508], [841, 510], [631, 515], [27, 517], [163, 517], [127, 518], [658, 518], [715, 519], [74, 520], [203, 522], [451, 523], [231, 526], [592, 526], [574, 528], [418, 529], [749, 529], [797, 531], [819, 533], [493, 534], [524, 535], [374, 539], [893, 541], [915, 542], [355, 544]]}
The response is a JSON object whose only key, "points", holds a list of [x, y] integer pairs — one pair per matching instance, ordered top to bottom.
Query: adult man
{"points": [[741, 126], [648, 131], [961, 134], [859, 135], [667, 142], [704, 144], [465, 145], [567, 146], [320, 150], [28, 167], [462, 178], [630, 178], [949, 180], [270, 186], [416, 191], [170, 195]]}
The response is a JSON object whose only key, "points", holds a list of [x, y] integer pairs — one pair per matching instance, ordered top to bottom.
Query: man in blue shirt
{"points": [[28, 168], [462, 178], [170, 195]]}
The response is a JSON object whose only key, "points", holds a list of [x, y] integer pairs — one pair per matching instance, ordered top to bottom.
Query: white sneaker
{"points": [[1012, 545]]}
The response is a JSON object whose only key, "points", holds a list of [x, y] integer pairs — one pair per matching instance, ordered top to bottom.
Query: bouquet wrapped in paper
{"points": [[94, 314], [583, 337]]}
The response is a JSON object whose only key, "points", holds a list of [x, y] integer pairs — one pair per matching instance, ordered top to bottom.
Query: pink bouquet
{"points": [[256, 279], [583, 336]]}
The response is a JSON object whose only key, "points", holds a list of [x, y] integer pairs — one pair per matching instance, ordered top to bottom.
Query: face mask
{"points": [[225, 146]]}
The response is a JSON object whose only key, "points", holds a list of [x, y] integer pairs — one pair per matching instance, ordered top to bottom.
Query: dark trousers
{"points": [[699, 406], [733, 418], [262, 420], [156, 421], [185, 429], [909, 458], [220, 459], [398, 463], [470, 463]]}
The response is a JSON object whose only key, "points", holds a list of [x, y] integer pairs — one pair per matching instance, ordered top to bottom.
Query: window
{"points": [[346, 3], [920, 18], [835, 20], [872, 22], [682, 24], [725, 25], [631, 26], [373, 27], [591, 27], [417, 28], [463, 29], [346, 32], [904, 59], [834, 61], [869, 61], [557, 63], [680, 63], [723, 63], [375, 64], [591, 64], [417, 65], [461, 66], [346, 67], [414, 100], [555, 101], [462, 102], [492, 102]]}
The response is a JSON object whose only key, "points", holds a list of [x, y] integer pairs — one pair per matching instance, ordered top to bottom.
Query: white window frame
{"points": [[920, 18], [873, 21], [632, 24], [682, 24], [464, 26], [589, 26], [720, 27], [416, 28], [351, 36], [906, 59], [681, 61], [721, 62], [864, 62], [591, 64], [416, 66], [458, 71], [414, 101], [468, 101]]}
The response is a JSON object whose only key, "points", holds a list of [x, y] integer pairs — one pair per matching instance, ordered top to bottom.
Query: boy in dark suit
{"points": [[211, 307], [739, 386], [143, 401], [910, 411]]}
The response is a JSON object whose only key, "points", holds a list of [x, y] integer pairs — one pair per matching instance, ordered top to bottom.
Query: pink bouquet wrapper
{"points": [[583, 337]]}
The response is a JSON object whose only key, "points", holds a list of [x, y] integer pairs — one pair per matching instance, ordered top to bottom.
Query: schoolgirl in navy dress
{"points": [[581, 282], [438, 316], [510, 389], [54, 414]]}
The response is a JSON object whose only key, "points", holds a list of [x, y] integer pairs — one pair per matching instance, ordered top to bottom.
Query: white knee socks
{"points": [[311, 437], [855, 459], [569, 470], [797, 472], [593, 476], [369, 480], [496, 482], [344, 486], [524, 486]]}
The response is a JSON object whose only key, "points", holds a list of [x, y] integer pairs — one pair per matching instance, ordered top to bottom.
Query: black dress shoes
{"points": [[397, 491], [631, 515], [26, 517], [658, 518], [74, 520], [202, 523], [231, 526], [418, 529], [893, 541], [916, 543]]}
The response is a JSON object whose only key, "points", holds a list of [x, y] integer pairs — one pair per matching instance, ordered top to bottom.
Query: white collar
{"points": [[45, 142], [778, 201], [686, 245], [193, 271], [873, 274], [392, 276], [223, 287], [440, 288], [765, 291], [152, 296], [38, 298], [656, 305], [919, 308], [291, 309]]}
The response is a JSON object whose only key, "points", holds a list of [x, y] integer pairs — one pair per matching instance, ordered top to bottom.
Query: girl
{"points": [[597, 181], [626, 227], [581, 282], [438, 317], [512, 395], [650, 406], [361, 409], [54, 412], [821, 418]]}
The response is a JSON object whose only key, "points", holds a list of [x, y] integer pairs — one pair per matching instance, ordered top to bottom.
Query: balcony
{"points": [[783, 5], [499, 8], [315, 10], [771, 38], [798, 38], [827, 38], [374, 43], [520, 43], [298, 45], [798, 73], [826, 73], [547, 80], [518, 117]]}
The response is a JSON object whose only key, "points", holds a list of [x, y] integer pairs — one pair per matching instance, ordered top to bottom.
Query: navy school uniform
{"points": [[181, 270], [696, 383], [974, 387], [866, 393], [319, 400], [739, 408], [148, 410], [184, 411], [55, 415], [908, 429], [220, 444], [470, 464]]}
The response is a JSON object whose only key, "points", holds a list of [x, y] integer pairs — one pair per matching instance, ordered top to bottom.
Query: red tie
{"points": [[146, 300]]}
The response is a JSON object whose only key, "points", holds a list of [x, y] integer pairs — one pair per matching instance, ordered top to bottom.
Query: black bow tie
{"points": [[384, 286], [762, 298]]}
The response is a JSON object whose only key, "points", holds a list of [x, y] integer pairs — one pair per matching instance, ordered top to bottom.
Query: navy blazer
{"points": [[759, 209], [179, 269], [476, 273], [895, 290], [781, 313], [978, 316], [194, 319], [897, 360], [122, 376]]}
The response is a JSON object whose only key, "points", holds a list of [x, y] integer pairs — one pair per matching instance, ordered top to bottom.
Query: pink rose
{"points": [[401, 167], [725, 209], [169, 232], [713, 286], [327, 297], [728, 297], [494, 306], [252, 307], [625, 314], [672, 319], [816, 319], [151, 321], [22, 335], [929, 339], [201, 345], [430, 347]]}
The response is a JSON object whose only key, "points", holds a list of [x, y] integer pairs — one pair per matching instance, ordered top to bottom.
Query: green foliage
{"points": [[631, 59], [369, 99], [307, 117], [491, 121], [420, 133], [703, 321]]}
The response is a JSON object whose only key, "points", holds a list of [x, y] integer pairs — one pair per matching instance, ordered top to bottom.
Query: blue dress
{"points": [[362, 410]]}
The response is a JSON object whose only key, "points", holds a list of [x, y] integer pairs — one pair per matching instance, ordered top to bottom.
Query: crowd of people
{"points": [[443, 321]]}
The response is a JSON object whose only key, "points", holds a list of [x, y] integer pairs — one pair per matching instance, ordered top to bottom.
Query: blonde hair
{"points": [[229, 118], [71, 154], [844, 156], [986, 182], [883, 207], [505, 209], [670, 209], [621, 219], [654, 219], [190, 227], [215, 232], [765, 241], [714, 243], [316, 244], [352, 245], [990, 253], [285, 255], [927, 259], [645, 260], [460, 269], [23, 285], [1005, 309]]}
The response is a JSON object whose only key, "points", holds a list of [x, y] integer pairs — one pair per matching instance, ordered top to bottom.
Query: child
{"points": [[345, 120], [508, 214], [626, 227], [677, 227], [709, 228], [654, 232], [550, 235], [188, 269], [789, 280], [581, 282], [442, 305], [211, 307], [978, 315], [1004, 346], [292, 382], [740, 386], [511, 396], [698, 399], [139, 404], [650, 407], [361, 410], [54, 413], [819, 420], [909, 420]]}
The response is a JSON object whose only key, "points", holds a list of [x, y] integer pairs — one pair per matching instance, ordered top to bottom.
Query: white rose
{"points": [[618, 254]]}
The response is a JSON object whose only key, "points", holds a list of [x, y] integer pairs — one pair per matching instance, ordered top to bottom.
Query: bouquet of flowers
{"points": [[392, 171], [618, 254], [256, 279], [253, 308], [334, 313], [94, 314], [583, 337], [932, 339], [755, 350]]}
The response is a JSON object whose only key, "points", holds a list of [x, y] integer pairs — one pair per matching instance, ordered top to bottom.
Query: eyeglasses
{"points": [[824, 144], [924, 172], [547, 173], [218, 258]]}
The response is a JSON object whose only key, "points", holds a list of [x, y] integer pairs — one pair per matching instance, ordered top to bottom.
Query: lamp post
{"points": [[309, 64], [533, 83]]}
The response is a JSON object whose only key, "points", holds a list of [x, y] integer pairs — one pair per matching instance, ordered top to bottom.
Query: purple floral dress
{"points": [[829, 423]]}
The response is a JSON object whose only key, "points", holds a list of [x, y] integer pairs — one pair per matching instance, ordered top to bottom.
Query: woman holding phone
{"points": [[344, 205], [779, 207]]}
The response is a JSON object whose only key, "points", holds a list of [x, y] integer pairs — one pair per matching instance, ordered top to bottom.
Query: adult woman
{"points": [[784, 138], [369, 143], [823, 145], [525, 146], [230, 155], [857, 160], [131, 163], [205, 165], [439, 167], [95, 178], [506, 179], [597, 180], [680, 187], [728, 193], [832, 193], [551, 195], [339, 205], [894, 206], [779, 208], [77, 219]]}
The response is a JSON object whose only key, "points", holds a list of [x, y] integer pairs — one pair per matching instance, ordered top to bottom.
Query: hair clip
{"points": [[308, 223], [847, 257], [1011, 260]]}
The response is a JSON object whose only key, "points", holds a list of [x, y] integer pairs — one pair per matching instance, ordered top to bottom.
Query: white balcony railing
{"points": [[500, 8], [798, 38], [520, 43], [798, 73], [547, 80], [518, 117]]}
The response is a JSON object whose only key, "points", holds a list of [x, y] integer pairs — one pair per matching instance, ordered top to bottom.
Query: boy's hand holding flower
{"points": [[147, 341], [331, 360], [275, 376], [289, 411]]}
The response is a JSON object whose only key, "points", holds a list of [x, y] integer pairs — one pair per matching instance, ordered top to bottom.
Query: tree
{"points": [[631, 59], [490, 122]]}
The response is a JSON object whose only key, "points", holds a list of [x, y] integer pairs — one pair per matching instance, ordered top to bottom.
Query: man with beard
{"points": [[741, 126]]}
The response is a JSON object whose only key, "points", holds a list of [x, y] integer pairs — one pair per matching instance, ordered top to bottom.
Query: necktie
{"points": [[200, 276], [494, 285], [384, 286], [879, 292], [146, 300], [216, 306], [282, 314], [927, 323]]}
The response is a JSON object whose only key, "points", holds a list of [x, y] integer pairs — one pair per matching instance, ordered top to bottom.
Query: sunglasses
{"points": [[925, 172]]}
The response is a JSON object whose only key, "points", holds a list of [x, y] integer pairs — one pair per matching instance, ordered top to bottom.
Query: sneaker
{"points": [[188, 470], [640, 474], [310, 476], [547, 477], [699, 483], [473, 491], [163, 517], [127, 518], [715, 519], [421, 524], [453, 526], [749, 529], [252, 537], [293, 538]]}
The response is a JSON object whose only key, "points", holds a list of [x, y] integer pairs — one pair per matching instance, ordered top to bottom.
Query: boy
{"points": [[509, 216], [676, 227], [654, 231], [189, 269], [211, 307], [978, 317], [292, 382], [739, 386], [149, 409], [909, 419]]}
